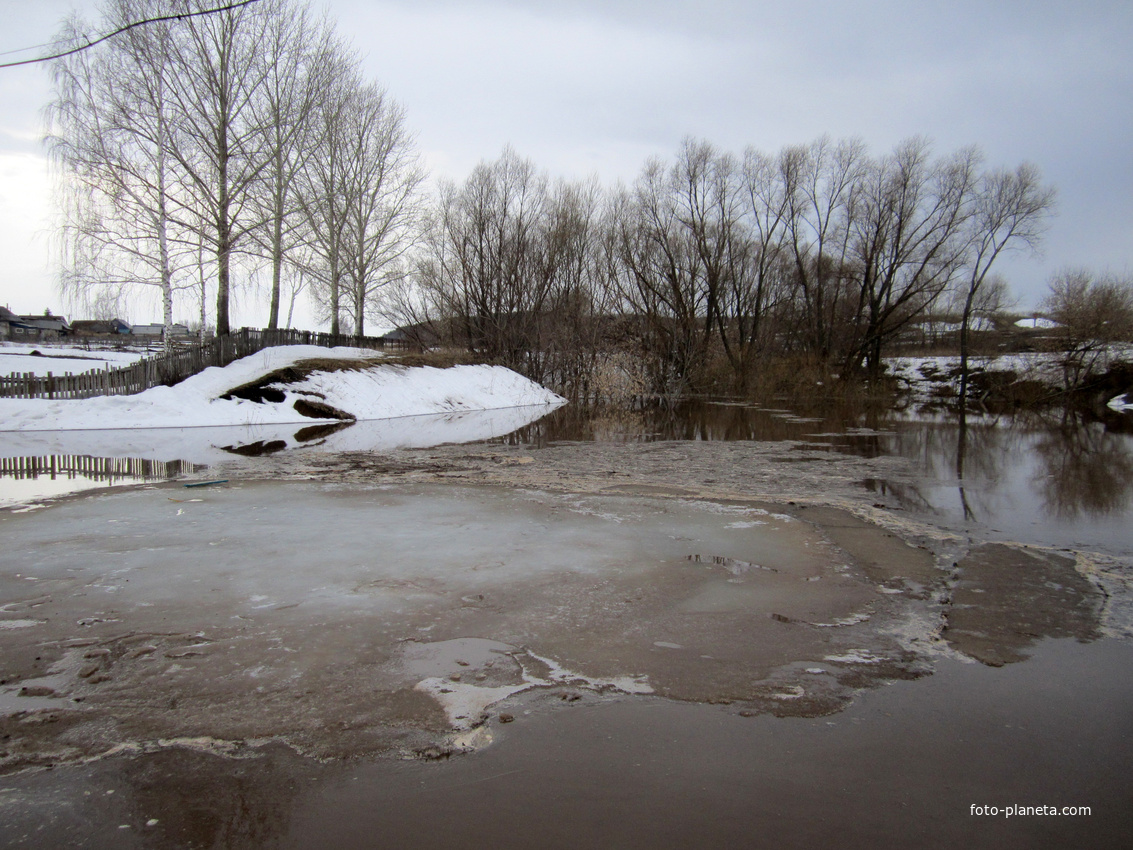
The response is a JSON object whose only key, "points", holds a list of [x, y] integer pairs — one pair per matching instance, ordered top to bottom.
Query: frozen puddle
{"points": [[345, 620]]}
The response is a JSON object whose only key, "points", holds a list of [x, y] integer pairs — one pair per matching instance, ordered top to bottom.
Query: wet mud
{"points": [[1008, 598], [692, 600]]}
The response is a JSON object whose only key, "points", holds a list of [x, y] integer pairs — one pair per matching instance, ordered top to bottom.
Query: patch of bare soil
{"points": [[266, 388]]}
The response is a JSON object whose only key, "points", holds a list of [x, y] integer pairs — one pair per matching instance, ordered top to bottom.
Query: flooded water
{"points": [[41, 465], [1055, 478], [1059, 478], [25, 480], [361, 663], [903, 767]]}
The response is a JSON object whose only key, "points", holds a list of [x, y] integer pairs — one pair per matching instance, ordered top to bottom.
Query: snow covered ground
{"points": [[59, 360], [924, 375], [928, 376], [371, 391]]}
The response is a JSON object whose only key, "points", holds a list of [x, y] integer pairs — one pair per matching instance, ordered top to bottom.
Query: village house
{"points": [[32, 328]]}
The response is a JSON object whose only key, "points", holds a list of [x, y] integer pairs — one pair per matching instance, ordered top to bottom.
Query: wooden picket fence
{"points": [[172, 368]]}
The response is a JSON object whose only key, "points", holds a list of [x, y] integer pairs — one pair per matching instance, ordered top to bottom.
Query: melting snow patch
{"points": [[374, 391], [852, 620], [20, 624], [856, 656], [448, 664], [560, 675], [793, 692], [464, 704]]}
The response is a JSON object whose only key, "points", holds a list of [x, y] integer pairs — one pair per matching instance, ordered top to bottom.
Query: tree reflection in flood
{"points": [[1087, 468], [1050, 474], [1058, 477]]}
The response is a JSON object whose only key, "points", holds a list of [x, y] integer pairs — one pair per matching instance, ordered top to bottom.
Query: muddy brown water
{"points": [[681, 657], [902, 767]]}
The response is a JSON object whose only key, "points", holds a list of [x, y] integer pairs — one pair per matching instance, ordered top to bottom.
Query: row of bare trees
{"points": [[191, 150], [197, 150], [710, 264]]}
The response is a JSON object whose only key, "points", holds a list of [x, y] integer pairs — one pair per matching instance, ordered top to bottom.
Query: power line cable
{"points": [[121, 30], [26, 49]]}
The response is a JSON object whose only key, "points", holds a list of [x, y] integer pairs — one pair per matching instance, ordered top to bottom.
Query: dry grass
{"points": [[438, 358]]}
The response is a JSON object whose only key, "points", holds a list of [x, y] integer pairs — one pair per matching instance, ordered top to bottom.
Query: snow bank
{"points": [[1037, 323], [929, 374], [373, 391], [1122, 403]]}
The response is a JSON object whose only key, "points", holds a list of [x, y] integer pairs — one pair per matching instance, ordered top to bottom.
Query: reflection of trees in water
{"points": [[815, 421], [964, 450], [1085, 468], [908, 495]]}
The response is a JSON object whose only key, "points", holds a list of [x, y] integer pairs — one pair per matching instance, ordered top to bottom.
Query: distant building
{"points": [[6, 319], [99, 327], [32, 328], [157, 330], [423, 334]]}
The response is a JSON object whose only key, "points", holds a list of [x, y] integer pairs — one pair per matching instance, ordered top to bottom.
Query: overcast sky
{"points": [[597, 86]]}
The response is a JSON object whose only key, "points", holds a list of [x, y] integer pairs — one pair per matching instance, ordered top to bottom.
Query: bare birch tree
{"points": [[302, 48], [110, 128], [222, 145], [381, 178], [321, 192]]}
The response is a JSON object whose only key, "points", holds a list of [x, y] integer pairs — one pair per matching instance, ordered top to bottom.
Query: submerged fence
{"points": [[176, 366], [95, 468]]}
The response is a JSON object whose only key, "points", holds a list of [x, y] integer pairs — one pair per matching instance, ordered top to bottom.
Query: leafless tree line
{"points": [[193, 151], [198, 152], [710, 265]]}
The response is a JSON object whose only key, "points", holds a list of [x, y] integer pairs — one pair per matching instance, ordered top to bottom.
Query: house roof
{"points": [[44, 323], [99, 325]]}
